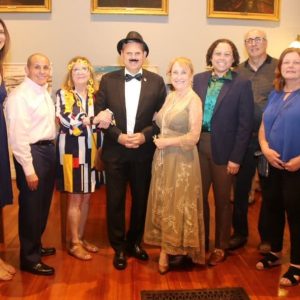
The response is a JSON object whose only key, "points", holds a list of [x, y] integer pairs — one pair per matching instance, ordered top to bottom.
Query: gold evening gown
{"points": [[174, 219]]}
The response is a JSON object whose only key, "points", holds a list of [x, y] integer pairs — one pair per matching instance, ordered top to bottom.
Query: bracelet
{"points": [[91, 120]]}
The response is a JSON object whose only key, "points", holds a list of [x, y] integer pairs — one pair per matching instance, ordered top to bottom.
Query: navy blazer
{"points": [[111, 95], [232, 119]]}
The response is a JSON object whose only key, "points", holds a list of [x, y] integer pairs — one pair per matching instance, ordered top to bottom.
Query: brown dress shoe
{"points": [[216, 257]]}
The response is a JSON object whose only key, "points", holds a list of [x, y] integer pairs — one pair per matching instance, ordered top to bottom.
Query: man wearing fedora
{"points": [[134, 95]]}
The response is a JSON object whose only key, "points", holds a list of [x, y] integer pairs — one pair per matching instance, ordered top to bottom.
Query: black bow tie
{"points": [[137, 76]]}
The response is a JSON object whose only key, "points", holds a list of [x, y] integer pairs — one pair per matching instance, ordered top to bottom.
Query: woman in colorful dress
{"points": [[77, 147], [6, 197], [174, 218]]}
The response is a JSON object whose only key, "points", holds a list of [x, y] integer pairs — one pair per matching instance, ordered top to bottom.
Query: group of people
{"points": [[169, 148]]}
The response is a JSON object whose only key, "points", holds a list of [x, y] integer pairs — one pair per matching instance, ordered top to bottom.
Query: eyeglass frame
{"points": [[256, 40], [82, 70]]}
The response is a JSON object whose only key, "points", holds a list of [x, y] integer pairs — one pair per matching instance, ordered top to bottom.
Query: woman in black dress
{"points": [[6, 271]]}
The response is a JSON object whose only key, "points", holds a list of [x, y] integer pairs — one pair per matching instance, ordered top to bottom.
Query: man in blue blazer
{"points": [[134, 95], [230, 128], [226, 129]]}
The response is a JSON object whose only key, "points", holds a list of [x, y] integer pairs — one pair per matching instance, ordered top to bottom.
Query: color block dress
{"points": [[76, 143], [6, 195], [174, 219]]}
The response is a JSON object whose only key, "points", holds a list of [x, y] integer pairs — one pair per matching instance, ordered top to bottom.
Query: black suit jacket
{"points": [[111, 95], [232, 120]]}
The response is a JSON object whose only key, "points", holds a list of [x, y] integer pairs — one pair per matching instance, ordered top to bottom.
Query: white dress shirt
{"points": [[132, 97], [31, 118]]}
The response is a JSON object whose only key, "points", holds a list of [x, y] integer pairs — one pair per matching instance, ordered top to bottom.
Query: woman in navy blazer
{"points": [[226, 128]]}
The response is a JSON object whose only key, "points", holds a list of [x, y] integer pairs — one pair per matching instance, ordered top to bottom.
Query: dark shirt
{"points": [[262, 84]]}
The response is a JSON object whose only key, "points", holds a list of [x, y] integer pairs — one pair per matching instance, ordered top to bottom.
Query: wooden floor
{"points": [[97, 279]]}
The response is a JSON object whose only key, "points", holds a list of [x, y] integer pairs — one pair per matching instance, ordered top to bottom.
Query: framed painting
{"points": [[25, 5], [133, 7], [244, 9]]}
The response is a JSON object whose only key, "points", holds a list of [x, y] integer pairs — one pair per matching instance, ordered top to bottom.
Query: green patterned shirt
{"points": [[215, 85]]}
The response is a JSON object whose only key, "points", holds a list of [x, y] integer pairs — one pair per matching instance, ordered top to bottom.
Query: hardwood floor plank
{"points": [[97, 279]]}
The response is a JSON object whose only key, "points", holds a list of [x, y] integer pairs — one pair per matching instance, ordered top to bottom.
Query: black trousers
{"points": [[118, 175], [242, 187], [281, 194], [34, 205]]}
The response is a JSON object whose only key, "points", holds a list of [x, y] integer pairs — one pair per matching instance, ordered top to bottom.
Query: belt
{"points": [[43, 142]]}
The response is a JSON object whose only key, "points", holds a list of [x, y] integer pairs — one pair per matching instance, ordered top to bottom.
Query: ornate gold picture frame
{"points": [[25, 6], [133, 7], [244, 9]]}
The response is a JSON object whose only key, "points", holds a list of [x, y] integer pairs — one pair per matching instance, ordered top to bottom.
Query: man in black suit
{"points": [[134, 95]]}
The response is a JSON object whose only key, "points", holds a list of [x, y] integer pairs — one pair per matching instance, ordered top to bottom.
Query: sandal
{"points": [[89, 246], [79, 252], [270, 260], [7, 267], [5, 275], [291, 277]]}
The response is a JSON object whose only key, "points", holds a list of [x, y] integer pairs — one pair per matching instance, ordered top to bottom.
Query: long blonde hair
{"points": [[68, 83]]}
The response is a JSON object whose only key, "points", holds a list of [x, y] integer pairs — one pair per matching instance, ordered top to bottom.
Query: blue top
{"points": [[282, 124]]}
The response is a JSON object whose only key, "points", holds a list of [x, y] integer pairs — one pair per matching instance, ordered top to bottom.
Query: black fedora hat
{"points": [[132, 36]]}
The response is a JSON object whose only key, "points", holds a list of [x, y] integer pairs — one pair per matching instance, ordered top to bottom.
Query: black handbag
{"points": [[263, 166]]}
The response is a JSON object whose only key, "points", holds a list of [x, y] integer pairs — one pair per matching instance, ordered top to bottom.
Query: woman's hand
{"points": [[104, 119], [85, 121], [161, 143], [271, 155], [273, 158], [293, 164], [232, 168]]}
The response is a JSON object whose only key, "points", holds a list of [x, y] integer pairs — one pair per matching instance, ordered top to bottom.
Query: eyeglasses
{"points": [[256, 40], [82, 70]]}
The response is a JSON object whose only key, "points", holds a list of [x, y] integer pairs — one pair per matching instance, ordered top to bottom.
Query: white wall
{"points": [[70, 29]]}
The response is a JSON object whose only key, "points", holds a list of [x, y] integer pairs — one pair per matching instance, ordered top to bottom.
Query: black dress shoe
{"points": [[236, 242], [48, 251], [138, 252], [120, 262], [38, 269]]}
